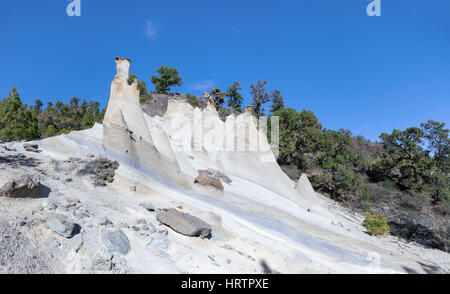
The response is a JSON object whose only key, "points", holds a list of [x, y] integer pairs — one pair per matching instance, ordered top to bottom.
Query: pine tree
{"points": [[168, 77], [234, 97], [260, 97], [277, 101], [17, 121]]}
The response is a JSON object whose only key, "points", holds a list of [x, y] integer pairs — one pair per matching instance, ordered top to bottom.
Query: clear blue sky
{"points": [[369, 75]]}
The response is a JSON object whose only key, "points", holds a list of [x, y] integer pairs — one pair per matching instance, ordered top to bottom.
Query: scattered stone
{"points": [[35, 146], [30, 147], [10, 148], [74, 159], [216, 175], [212, 178], [205, 180], [99, 183], [22, 186], [69, 204], [50, 205], [148, 206], [81, 213], [104, 221], [141, 221], [184, 223], [61, 225], [124, 225], [151, 228], [115, 241], [159, 242], [77, 243], [229, 247], [101, 264]]}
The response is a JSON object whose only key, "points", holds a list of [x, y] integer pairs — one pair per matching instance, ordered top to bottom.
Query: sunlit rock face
{"points": [[123, 68], [126, 133], [185, 139]]}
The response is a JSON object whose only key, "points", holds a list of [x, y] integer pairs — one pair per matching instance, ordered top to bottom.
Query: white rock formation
{"points": [[126, 133], [260, 217]]}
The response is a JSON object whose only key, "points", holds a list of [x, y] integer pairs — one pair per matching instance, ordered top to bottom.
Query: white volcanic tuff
{"points": [[126, 131], [188, 139], [251, 158], [304, 187], [263, 212], [260, 221]]}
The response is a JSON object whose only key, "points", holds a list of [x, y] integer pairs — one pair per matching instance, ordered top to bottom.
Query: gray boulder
{"points": [[35, 146], [30, 147], [215, 175], [206, 179], [22, 186], [148, 206], [81, 213], [104, 221], [184, 223], [61, 225], [115, 240], [159, 242]]}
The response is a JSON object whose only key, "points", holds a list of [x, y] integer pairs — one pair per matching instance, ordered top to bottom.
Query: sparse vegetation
{"points": [[144, 94], [195, 101], [101, 169], [376, 225]]}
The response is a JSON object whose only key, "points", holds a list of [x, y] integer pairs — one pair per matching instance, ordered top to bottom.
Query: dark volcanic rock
{"points": [[157, 106], [30, 147], [22, 186], [184, 223]]}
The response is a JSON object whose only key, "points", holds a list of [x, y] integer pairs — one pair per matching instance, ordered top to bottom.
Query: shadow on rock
{"points": [[21, 160], [42, 192], [265, 267]]}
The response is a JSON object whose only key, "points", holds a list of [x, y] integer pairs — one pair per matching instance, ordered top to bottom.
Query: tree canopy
{"points": [[167, 78], [21, 122]]}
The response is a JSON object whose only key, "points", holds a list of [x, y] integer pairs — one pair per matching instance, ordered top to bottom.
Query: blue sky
{"points": [[366, 74]]}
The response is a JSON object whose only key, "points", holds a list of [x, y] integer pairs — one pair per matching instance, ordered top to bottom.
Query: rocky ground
{"points": [[71, 224]]}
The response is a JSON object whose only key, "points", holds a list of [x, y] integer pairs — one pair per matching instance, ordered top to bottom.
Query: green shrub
{"points": [[145, 98], [194, 101], [376, 225]]}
